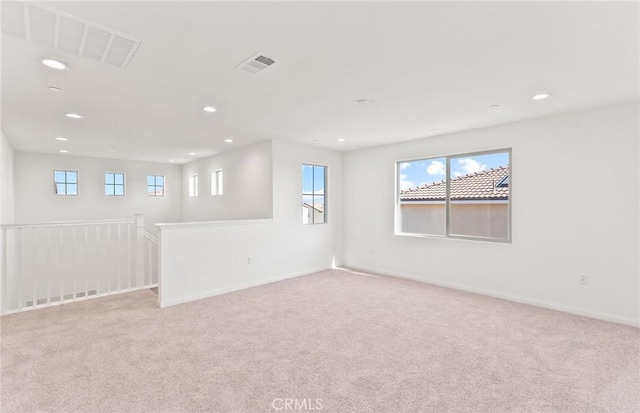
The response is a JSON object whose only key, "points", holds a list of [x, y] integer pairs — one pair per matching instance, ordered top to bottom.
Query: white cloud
{"points": [[404, 165], [470, 166], [436, 168], [404, 184]]}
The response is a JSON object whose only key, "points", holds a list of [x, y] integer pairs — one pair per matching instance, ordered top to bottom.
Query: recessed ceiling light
{"points": [[55, 64], [54, 89], [541, 96], [364, 101], [494, 106], [209, 109], [73, 115], [60, 138], [341, 139], [228, 140], [314, 140], [63, 151], [192, 153]]}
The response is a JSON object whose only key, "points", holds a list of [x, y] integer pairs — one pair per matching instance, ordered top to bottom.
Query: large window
{"points": [[65, 182], [216, 182], [114, 184], [155, 185], [193, 185], [314, 194], [458, 196]]}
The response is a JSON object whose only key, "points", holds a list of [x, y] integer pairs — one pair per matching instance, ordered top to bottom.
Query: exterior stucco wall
{"points": [[489, 220]]}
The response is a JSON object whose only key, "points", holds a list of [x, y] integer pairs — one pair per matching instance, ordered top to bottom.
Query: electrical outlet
{"points": [[583, 279]]}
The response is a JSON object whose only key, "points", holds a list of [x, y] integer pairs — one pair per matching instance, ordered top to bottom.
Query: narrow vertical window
{"points": [[65, 182], [216, 182], [114, 184], [155, 185], [193, 185], [314, 194]]}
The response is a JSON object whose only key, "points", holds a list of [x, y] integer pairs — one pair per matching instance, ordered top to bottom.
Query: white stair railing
{"points": [[151, 249], [58, 262]]}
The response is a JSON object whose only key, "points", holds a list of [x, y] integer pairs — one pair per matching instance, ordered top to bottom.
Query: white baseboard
{"points": [[220, 291], [629, 321]]}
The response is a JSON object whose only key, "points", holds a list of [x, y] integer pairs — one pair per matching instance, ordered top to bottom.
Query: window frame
{"points": [[217, 182], [65, 183], [114, 184], [155, 185], [193, 185], [324, 195], [448, 234]]}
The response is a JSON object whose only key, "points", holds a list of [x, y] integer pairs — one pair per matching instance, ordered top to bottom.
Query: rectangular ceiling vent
{"points": [[61, 31], [256, 64]]}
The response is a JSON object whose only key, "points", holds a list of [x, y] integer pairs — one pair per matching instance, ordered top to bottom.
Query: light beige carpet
{"points": [[358, 343]]}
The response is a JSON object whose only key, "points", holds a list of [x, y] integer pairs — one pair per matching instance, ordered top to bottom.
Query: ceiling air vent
{"points": [[61, 31], [256, 64]]}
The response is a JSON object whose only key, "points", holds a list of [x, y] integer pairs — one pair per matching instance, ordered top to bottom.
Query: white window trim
{"points": [[217, 182], [124, 183], [164, 183], [193, 185], [55, 186], [325, 195], [448, 234]]}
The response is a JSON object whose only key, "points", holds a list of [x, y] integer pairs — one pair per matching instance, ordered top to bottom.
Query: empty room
{"points": [[330, 206]]}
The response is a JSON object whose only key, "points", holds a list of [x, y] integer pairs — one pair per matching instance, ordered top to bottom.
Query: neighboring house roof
{"points": [[492, 184], [317, 207]]}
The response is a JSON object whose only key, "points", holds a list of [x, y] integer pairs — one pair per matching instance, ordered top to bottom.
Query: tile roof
{"points": [[475, 186]]}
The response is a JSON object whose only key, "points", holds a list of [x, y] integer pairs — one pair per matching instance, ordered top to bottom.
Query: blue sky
{"points": [[425, 171], [313, 179], [313, 182]]}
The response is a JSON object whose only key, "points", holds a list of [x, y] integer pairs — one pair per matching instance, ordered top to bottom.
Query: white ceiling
{"points": [[431, 68]]}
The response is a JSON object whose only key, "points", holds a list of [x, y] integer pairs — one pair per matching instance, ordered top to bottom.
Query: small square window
{"points": [[65, 182], [114, 184], [155, 185]]}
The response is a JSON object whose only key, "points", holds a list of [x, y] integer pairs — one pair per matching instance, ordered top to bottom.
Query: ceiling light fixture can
{"points": [[54, 64], [54, 89], [209, 109], [73, 115], [60, 138], [341, 139], [228, 140], [63, 151]]}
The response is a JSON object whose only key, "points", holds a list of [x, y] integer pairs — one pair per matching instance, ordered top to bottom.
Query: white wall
{"points": [[6, 181], [247, 186], [575, 194], [36, 202], [204, 259]]}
